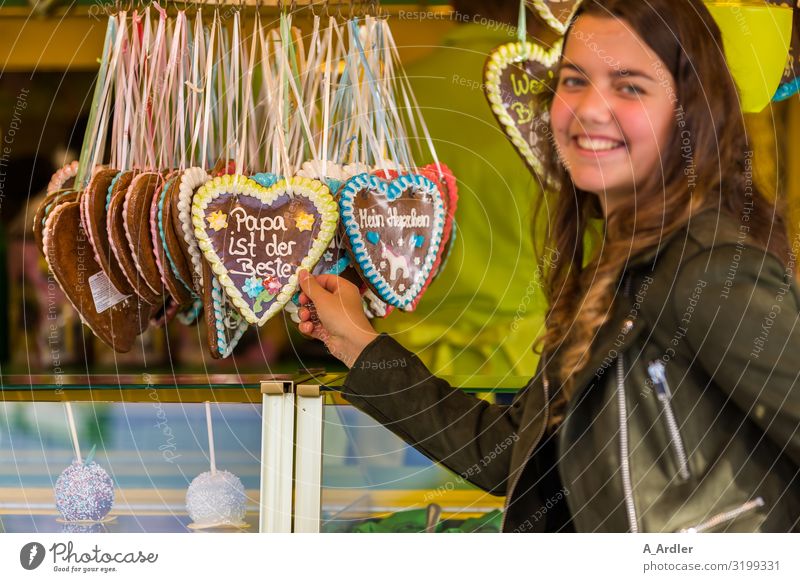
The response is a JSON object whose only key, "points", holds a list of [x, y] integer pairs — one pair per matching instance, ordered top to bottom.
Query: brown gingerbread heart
{"points": [[514, 76], [191, 180], [48, 204], [94, 218], [136, 223], [394, 233], [173, 239], [257, 239], [119, 241], [182, 295], [114, 318], [224, 325]]}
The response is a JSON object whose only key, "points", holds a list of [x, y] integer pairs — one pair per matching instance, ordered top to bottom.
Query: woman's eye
{"points": [[571, 82], [631, 89]]}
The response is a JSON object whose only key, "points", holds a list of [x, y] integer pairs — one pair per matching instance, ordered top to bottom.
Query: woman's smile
{"points": [[596, 146]]}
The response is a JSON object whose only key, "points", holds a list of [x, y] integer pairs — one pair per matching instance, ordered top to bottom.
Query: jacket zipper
{"points": [[627, 326], [659, 377], [546, 387], [625, 467], [627, 482], [725, 516]]}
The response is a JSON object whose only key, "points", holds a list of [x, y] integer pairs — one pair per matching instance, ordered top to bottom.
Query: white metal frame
{"points": [[277, 447], [308, 459]]}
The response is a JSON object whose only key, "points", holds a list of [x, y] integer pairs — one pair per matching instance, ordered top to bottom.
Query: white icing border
{"points": [[546, 13], [191, 179]]}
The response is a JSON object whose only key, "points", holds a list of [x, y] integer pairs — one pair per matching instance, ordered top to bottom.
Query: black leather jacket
{"points": [[687, 417]]}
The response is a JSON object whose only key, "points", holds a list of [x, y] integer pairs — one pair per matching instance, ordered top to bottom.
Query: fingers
{"points": [[330, 283], [311, 288], [308, 314], [313, 330]]}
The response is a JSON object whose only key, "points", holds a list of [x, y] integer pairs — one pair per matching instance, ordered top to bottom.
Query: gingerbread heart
{"points": [[556, 13], [514, 76], [63, 178], [190, 181], [448, 185], [50, 202], [95, 222], [136, 222], [394, 233], [173, 237], [118, 239], [256, 239], [178, 289], [165, 312], [191, 314], [115, 318], [224, 324]]}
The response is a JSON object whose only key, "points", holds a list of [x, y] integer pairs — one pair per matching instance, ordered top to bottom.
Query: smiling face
{"points": [[613, 111]]}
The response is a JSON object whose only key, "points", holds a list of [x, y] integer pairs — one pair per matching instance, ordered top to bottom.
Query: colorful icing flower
{"points": [[218, 220], [303, 221], [273, 285], [253, 286]]}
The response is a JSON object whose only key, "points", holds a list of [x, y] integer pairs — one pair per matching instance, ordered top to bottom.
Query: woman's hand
{"points": [[332, 312]]}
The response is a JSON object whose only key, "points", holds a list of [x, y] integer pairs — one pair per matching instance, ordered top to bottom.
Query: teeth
{"points": [[597, 144]]}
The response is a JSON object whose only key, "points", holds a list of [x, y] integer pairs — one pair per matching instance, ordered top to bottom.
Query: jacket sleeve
{"points": [[745, 332], [467, 435]]}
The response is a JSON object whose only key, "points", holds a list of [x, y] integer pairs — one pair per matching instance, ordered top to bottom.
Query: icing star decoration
{"points": [[218, 220], [303, 221]]}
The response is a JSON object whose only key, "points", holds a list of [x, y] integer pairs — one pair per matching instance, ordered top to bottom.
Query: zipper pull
{"points": [[656, 370], [658, 376]]}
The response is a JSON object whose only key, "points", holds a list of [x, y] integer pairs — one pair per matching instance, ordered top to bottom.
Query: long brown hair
{"points": [[707, 163]]}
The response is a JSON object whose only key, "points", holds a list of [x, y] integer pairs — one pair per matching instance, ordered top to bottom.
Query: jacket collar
{"points": [[623, 324]]}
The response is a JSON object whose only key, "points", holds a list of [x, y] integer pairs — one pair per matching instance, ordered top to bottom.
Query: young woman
{"points": [[667, 395]]}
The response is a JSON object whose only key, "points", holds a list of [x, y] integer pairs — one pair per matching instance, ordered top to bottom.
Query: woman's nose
{"points": [[593, 108]]}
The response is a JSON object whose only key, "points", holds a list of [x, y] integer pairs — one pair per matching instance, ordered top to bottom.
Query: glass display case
{"points": [[150, 436], [308, 460], [353, 474]]}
